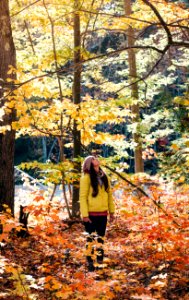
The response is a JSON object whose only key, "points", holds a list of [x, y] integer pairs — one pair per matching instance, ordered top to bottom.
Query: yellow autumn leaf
{"points": [[10, 80], [185, 102], [175, 147], [182, 179], [56, 285], [63, 294]]}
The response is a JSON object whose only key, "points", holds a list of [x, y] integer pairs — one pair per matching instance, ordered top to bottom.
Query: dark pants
{"points": [[98, 226]]}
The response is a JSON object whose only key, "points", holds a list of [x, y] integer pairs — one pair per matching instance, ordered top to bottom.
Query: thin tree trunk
{"points": [[76, 100], [7, 139], [60, 139], [60, 142], [44, 146], [139, 166]]}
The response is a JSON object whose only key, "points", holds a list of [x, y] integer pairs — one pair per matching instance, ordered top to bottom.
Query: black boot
{"points": [[100, 255], [90, 264]]}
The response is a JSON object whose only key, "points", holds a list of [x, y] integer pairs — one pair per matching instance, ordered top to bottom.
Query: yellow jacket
{"points": [[102, 202]]}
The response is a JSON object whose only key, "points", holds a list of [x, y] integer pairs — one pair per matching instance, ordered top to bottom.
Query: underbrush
{"points": [[146, 250]]}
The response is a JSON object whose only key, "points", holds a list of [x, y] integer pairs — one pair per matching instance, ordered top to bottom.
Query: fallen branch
{"points": [[158, 205]]}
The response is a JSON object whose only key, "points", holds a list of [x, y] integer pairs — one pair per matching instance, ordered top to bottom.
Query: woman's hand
{"points": [[86, 219]]}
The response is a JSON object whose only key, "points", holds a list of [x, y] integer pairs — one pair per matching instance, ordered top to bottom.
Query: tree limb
{"points": [[26, 7], [162, 22], [158, 205]]}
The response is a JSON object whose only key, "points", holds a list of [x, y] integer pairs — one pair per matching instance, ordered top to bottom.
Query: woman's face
{"points": [[95, 162]]}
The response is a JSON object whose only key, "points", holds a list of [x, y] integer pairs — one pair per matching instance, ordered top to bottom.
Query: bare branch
{"points": [[26, 7], [118, 16], [162, 22], [28, 31], [112, 53], [149, 73], [138, 188]]}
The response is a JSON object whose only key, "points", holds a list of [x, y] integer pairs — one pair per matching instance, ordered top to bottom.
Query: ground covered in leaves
{"points": [[146, 252]]}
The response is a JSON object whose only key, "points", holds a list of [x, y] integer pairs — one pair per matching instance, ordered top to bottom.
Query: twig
{"points": [[26, 7]]}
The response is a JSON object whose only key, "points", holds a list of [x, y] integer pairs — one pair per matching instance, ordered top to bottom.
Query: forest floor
{"points": [[146, 257]]}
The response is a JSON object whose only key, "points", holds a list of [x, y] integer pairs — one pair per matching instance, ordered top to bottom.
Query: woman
{"points": [[95, 203]]}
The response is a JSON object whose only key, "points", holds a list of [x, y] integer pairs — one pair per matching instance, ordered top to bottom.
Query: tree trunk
{"points": [[76, 100], [7, 139], [44, 147], [139, 165]]}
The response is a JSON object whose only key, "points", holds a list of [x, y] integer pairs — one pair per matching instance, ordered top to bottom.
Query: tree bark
{"points": [[76, 100], [7, 139], [139, 165]]}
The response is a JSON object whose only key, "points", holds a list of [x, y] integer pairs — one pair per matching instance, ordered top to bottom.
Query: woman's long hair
{"points": [[94, 180]]}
